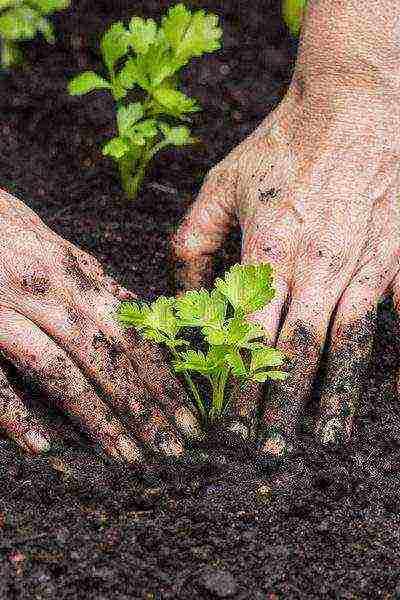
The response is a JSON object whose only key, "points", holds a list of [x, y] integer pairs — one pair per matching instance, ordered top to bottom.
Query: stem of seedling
{"points": [[218, 382], [194, 390]]}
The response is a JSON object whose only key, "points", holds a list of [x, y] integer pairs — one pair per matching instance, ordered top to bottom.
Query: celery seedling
{"points": [[159, 54], [221, 317]]}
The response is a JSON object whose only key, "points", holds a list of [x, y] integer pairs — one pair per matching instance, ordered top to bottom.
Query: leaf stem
{"points": [[193, 388]]}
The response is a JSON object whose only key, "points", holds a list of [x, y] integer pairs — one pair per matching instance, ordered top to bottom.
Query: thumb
{"points": [[204, 229]]}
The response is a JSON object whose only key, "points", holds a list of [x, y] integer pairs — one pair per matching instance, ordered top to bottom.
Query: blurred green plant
{"points": [[292, 12], [21, 20], [159, 54]]}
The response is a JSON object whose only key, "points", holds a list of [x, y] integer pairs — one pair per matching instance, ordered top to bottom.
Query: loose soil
{"points": [[73, 525]]}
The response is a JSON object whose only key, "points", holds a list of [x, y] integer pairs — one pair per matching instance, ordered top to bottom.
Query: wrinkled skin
{"points": [[314, 189], [57, 327]]}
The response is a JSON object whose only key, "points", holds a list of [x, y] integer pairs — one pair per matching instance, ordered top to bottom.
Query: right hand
{"points": [[58, 326]]}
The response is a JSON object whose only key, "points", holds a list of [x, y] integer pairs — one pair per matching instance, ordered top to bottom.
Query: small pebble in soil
{"points": [[218, 582]]}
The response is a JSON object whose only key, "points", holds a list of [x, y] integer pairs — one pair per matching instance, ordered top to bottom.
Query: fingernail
{"points": [[187, 422], [240, 429], [37, 441], [276, 445], [171, 448], [128, 449]]}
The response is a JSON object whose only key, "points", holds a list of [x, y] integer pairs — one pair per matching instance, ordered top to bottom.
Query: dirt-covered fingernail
{"points": [[188, 423], [239, 428], [332, 431], [36, 441], [169, 446], [127, 449]]}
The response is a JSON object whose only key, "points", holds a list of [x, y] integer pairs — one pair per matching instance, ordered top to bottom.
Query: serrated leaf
{"points": [[6, 4], [49, 6], [19, 23], [143, 34], [191, 34], [114, 44], [134, 72], [86, 82], [175, 102], [127, 116], [147, 128], [178, 136], [117, 148], [247, 287], [201, 308], [131, 314], [162, 317], [240, 332], [155, 336], [213, 336], [266, 357], [193, 360], [236, 362], [262, 376]]}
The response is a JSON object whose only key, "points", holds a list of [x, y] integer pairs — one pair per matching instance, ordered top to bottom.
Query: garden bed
{"points": [[73, 525]]}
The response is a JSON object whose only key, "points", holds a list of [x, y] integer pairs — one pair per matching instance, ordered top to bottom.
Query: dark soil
{"points": [[73, 525]]}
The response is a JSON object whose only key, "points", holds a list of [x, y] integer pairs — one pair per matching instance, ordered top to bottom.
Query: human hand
{"points": [[314, 189], [57, 326]]}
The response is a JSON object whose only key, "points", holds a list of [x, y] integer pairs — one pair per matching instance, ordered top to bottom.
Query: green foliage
{"points": [[292, 12], [22, 20], [159, 52], [221, 317]]}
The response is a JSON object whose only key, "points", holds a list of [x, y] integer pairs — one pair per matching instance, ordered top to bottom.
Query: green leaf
{"points": [[6, 4], [49, 6], [292, 13], [20, 23], [46, 28], [143, 34], [191, 34], [114, 44], [10, 54], [134, 72], [86, 82], [175, 102], [127, 116], [147, 128], [178, 136], [117, 148], [247, 287], [201, 308], [131, 314], [162, 317], [240, 332], [215, 337], [266, 357], [193, 360], [236, 362], [265, 375]]}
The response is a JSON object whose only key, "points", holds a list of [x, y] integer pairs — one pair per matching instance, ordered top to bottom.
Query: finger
{"points": [[204, 228], [277, 247], [94, 270], [320, 273], [353, 331], [35, 354], [147, 362], [242, 411], [18, 423]]}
